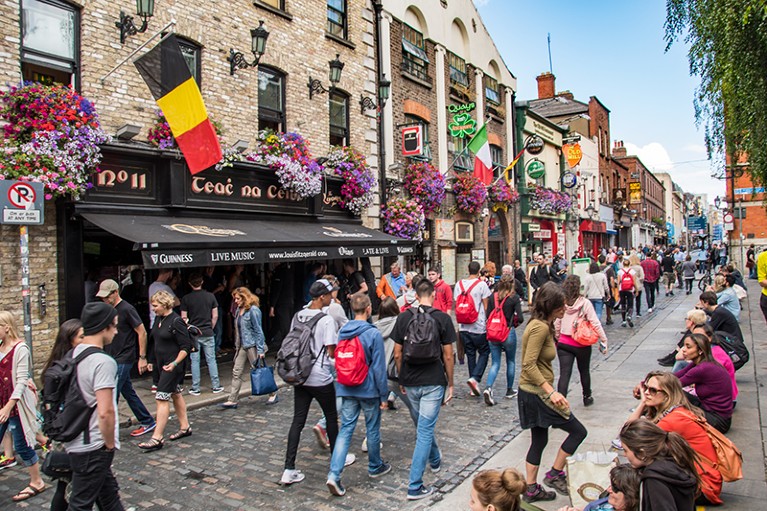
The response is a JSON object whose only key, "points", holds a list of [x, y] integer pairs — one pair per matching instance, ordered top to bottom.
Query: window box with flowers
{"points": [[52, 136], [288, 155], [358, 180], [426, 185], [470, 193], [501, 196], [546, 201], [404, 218]]}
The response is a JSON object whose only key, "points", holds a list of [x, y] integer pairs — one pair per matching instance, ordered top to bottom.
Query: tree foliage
{"points": [[728, 51]]}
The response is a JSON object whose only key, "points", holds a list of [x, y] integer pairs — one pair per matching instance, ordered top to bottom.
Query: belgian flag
{"points": [[166, 73]]}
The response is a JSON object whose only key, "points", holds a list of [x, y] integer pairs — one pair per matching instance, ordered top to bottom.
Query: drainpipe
{"points": [[378, 8]]}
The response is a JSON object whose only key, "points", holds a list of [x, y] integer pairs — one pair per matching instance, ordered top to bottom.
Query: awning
{"points": [[414, 50], [593, 226], [167, 241]]}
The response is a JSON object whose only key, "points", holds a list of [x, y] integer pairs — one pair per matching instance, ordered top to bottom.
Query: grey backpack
{"points": [[295, 359]]}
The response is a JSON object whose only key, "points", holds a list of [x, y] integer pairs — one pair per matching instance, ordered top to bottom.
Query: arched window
{"points": [[271, 99], [339, 118]]}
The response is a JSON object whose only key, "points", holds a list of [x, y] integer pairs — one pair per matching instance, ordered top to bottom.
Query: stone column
{"points": [[441, 88], [479, 88]]}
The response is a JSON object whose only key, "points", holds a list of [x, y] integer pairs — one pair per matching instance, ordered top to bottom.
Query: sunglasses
{"points": [[652, 390]]}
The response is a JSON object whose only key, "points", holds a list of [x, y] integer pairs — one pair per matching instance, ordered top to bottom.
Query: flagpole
{"points": [[126, 59], [510, 167]]}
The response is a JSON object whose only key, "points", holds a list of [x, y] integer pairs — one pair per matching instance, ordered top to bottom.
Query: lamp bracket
{"points": [[128, 28], [237, 60], [316, 87], [367, 103]]}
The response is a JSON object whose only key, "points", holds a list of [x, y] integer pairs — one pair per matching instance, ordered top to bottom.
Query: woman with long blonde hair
{"points": [[636, 265], [250, 342]]}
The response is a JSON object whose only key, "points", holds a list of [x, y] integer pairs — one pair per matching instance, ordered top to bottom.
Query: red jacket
{"points": [[443, 296]]}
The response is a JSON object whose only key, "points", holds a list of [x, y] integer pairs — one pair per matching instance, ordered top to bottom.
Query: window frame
{"points": [[345, 20], [183, 42], [44, 60], [411, 64], [454, 67], [489, 82], [268, 114], [414, 119], [346, 128], [459, 146], [498, 165]]}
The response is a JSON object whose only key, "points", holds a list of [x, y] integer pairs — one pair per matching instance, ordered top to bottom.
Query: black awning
{"points": [[168, 241]]}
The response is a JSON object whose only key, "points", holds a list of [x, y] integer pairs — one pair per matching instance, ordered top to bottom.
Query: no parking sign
{"points": [[21, 202]]}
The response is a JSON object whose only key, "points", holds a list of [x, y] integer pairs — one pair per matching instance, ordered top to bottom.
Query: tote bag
{"points": [[262, 379]]}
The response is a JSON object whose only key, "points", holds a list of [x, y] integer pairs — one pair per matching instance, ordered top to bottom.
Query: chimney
{"points": [[545, 85], [566, 94], [618, 150]]}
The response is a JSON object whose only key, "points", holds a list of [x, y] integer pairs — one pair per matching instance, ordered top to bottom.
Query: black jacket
{"points": [[543, 274], [667, 487]]}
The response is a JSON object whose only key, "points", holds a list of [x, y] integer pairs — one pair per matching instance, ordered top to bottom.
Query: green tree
{"points": [[728, 51]]}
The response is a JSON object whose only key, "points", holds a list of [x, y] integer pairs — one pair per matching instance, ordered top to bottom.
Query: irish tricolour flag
{"points": [[483, 162]]}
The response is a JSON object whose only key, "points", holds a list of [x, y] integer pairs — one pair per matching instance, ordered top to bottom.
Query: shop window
{"points": [[277, 4], [337, 18], [50, 42], [192, 55], [414, 59], [458, 74], [492, 93], [271, 99], [339, 118], [411, 119], [496, 154], [461, 155]]}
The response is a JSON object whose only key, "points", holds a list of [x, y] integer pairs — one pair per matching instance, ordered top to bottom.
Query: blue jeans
{"points": [[599, 305], [218, 330], [208, 347], [509, 347], [477, 352], [679, 365], [125, 388], [426, 401], [350, 412], [26, 452]]}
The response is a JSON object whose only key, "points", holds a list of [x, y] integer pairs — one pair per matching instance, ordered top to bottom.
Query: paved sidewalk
{"points": [[614, 377]]}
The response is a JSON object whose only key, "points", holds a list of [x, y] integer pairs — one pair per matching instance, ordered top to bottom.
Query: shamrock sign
{"points": [[462, 125]]}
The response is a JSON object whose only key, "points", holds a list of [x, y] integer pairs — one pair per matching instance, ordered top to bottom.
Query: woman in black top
{"points": [[512, 311], [172, 345]]}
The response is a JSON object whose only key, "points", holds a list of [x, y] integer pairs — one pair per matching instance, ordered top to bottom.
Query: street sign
{"points": [[573, 153], [535, 169], [569, 180], [22, 202], [728, 218], [696, 223]]}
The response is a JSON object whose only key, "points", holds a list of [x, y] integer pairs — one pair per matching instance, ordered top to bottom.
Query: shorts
{"points": [[669, 279], [169, 383]]}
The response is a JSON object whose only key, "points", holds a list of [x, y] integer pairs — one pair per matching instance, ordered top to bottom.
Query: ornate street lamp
{"points": [[144, 10], [258, 38]]}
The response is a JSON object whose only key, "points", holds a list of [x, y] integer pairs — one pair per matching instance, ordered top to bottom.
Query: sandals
{"points": [[181, 433], [153, 444], [28, 492]]}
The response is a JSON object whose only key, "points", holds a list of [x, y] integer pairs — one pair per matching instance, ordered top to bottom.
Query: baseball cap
{"points": [[321, 287], [106, 288]]}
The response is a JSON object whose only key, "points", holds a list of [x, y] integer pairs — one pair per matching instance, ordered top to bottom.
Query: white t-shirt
{"points": [[154, 287], [479, 293], [325, 334], [97, 371]]}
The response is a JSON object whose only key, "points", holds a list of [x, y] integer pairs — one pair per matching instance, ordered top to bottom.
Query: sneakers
{"points": [[649, 311], [609, 322], [631, 323], [623, 324], [668, 360], [473, 386], [154, 389], [218, 390], [193, 392], [510, 394], [488, 395], [588, 400], [143, 430], [322, 436], [617, 444], [365, 445], [350, 459], [7, 462], [435, 468], [384, 469], [291, 476], [557, 481], [336, 488], [422, 492], [537, 493]]}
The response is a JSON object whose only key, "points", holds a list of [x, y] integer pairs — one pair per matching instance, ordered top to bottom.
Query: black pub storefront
{"points": [[146, 210]]}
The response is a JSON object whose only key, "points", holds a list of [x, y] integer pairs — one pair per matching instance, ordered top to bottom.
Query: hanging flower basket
{"points": [[52, 136], [288, 155], [351, 166], [426, 185], [470, 193], [500, 195], [548, 201], [404, 218]]}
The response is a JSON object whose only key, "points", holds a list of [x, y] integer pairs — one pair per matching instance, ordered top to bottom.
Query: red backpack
{"points": [[627, 281], [465, 310], [497, 326], [351, 362]]}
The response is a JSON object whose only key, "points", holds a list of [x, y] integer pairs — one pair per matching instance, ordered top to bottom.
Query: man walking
{"points": [[667, 264], [651, 269], [542, 273], [392, 284], [628, 285], [473, 294], [443, 299], [200, 308], [130, 335], [428, 384], [370, 395], [91, 460]]}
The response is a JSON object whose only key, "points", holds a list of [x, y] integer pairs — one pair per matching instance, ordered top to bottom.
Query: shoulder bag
{"points": [[584, 332], [262, 379]]}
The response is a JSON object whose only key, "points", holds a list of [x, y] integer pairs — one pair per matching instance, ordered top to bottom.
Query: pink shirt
{"points": [[564, 327], [721, 356]]}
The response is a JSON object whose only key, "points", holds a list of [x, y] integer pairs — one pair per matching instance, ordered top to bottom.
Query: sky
{"points": [[614, 50]]}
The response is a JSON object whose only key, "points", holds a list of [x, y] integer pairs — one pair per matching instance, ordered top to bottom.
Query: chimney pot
{"points": [[546, 85]]}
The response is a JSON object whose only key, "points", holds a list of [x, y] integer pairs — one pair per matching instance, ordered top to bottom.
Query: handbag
{"points": [[192, 331], [584, 332], [262, 379], [56, 464], [588, 475]]}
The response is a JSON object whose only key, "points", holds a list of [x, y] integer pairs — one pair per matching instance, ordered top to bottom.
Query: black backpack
{"points": [[421, 344], [734, 347], [295, 359], [65, 412]]}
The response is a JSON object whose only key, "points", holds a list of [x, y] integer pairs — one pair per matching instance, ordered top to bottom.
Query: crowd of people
{"points": [[352, 364]]}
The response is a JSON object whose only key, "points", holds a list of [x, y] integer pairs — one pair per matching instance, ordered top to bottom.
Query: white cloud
{"points": [[695, 148], [653, 155]]}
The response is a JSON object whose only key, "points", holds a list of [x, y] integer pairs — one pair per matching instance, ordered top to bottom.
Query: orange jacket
{"points": [[384, 288]]}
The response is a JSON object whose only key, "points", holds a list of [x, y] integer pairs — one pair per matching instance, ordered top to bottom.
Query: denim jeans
{"points": [[650, 288], [598, 304], [218, 330], [208, 347], [509, 347], [477, 352], [679, 365], [125, 388], [426, 401], [349, 413], [26, 452], [93, 480]]}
